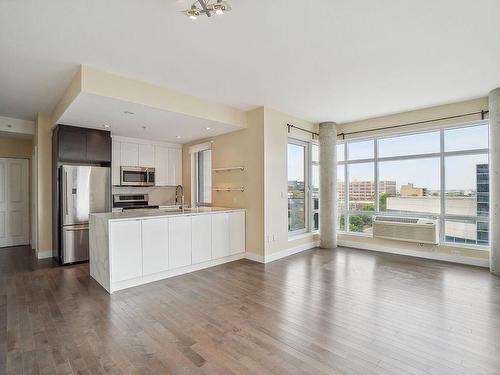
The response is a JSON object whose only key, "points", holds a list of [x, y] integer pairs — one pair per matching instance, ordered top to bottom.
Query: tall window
{"points": [[441, 174], [203, 176], [303, 186]]}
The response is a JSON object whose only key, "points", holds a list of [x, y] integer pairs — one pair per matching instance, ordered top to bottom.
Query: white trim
{"points": [[141, 141], [200, 147], [44, 254], [281, 254], [255, 257], [453, 258], [116, 286]]}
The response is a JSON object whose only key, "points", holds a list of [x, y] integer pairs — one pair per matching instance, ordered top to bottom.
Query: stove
{"points": [[132, 202]]}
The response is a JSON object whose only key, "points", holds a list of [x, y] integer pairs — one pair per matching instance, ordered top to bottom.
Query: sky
{"points": [[460, 171]]}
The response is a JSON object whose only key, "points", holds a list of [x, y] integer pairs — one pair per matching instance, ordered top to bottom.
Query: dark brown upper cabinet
{"points": [[75, 144]]}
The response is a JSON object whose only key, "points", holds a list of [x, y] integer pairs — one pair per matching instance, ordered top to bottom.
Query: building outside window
{"points": [[440, 174], [303, 186]]}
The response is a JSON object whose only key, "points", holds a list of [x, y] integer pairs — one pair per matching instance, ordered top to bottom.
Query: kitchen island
{"points": [[137, 247]]}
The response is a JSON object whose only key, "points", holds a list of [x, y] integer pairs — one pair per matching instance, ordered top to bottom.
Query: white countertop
{"points": [[149, 213]]}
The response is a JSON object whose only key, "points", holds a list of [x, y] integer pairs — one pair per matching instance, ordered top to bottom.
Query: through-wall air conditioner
{"points": [[410, 229]]}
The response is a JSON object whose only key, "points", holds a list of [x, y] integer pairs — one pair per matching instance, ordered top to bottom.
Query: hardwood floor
{"points": [[318, 312]]}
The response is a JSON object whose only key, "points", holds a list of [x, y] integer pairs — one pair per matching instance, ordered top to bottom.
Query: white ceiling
{"points": [[319, 60], [93, 111]]}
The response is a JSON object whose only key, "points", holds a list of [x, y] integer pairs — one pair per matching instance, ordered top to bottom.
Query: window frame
{"points": [[441, 155], [309, 210]]}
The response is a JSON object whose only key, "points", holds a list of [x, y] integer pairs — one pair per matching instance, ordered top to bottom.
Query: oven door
{"points": [[134, 176]]}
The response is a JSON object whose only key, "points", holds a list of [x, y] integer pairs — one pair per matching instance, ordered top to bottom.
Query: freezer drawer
{"points": [[75, 244]]}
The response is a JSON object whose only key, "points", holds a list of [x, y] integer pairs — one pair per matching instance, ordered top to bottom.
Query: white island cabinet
{"points": [[131, 248]]}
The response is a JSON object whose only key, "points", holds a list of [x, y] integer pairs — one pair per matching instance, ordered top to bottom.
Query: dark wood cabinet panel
{"points": [[72, 144], [98, 146]]}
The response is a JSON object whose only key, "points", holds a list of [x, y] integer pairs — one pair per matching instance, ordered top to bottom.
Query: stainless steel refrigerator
{"points": [[84, 190]]}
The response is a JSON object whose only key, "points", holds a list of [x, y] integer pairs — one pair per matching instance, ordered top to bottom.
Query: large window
{"points": [[440, 174], [303, 186]]}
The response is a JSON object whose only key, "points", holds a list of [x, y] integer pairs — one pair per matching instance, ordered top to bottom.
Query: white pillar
{"points": [[328, 184], [494, 233]]}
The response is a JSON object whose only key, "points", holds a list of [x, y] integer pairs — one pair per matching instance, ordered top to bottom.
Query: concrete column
{"points": [[494, 99], [328, 184]]}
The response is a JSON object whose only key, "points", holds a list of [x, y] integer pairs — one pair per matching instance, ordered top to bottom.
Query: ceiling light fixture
{"points": [[207, 7], [129, 113], [106, 126], [208, 128], [178, 137]]}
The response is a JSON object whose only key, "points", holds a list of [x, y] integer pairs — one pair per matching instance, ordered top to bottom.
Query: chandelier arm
{"points": [[205, 9]]}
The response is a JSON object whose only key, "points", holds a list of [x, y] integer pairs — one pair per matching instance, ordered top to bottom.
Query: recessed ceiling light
{"points": [[129, 113], [106, 126], [208, 128], [178, 137]]}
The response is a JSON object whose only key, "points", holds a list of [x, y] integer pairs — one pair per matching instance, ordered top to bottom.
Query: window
{"points": [[441, 174], [201, 175], [303, 186]]}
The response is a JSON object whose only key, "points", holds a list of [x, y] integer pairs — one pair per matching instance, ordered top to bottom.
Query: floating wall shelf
{"points": [[229, 169], [242, 189]]}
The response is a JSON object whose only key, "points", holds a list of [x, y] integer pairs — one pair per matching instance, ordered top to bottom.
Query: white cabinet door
{"points": [[129, 154], [146, 156], [115, 162], [161, 165], [174, 166], [237, 232], [220, 235], [201, 238], [179, 244], [154, 246], [126, 250]]}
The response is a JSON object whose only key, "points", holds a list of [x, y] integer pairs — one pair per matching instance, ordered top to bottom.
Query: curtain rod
{"points": [[483, 113], [290, 126]]}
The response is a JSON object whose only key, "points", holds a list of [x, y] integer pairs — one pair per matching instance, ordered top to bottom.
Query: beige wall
{"points": [[454, 109], [43, 143], [15, 148], [241, 148], [276, 179]]}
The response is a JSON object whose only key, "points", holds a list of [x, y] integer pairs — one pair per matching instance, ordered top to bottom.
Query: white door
{"points": [[129, 154], [146, 156], [161, 165], [174, 166], [14, 202], [237, 232], [220, 235], [201, 238], [179, 244], [154, 246], [126, 250]]}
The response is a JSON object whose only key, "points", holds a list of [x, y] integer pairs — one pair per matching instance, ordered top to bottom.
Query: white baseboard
{"points": [[282, 253], [44, 254], [453, 258]]}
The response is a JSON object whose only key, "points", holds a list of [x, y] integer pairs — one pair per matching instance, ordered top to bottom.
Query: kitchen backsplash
{"points": [[158, 195]]}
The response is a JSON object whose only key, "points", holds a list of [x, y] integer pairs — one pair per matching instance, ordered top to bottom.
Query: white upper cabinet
{"points": [[129, 154], [146, 156], [167, 160], [115, 162], [161, 165], [175, 166], [237, 232]]}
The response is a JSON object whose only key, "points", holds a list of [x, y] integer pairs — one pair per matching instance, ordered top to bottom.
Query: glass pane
{"points": [[469, 138], [412, 144], [360, 150], [340, 152], [315, 153], [204, 170], [315, 186], [411, 186], [467, 186], [296, 187], [341, 187], [361, 187], [316, 221], [341, 222], [360, 223], [472, 231]]}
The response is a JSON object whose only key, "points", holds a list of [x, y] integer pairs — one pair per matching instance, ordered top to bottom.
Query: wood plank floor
{"points": [[318, 312]]}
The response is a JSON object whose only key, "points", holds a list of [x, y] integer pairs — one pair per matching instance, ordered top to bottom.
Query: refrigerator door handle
{"points": [[66, 192]]}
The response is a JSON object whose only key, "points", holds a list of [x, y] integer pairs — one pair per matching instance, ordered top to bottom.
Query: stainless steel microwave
{"points": [[137, 176]]}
